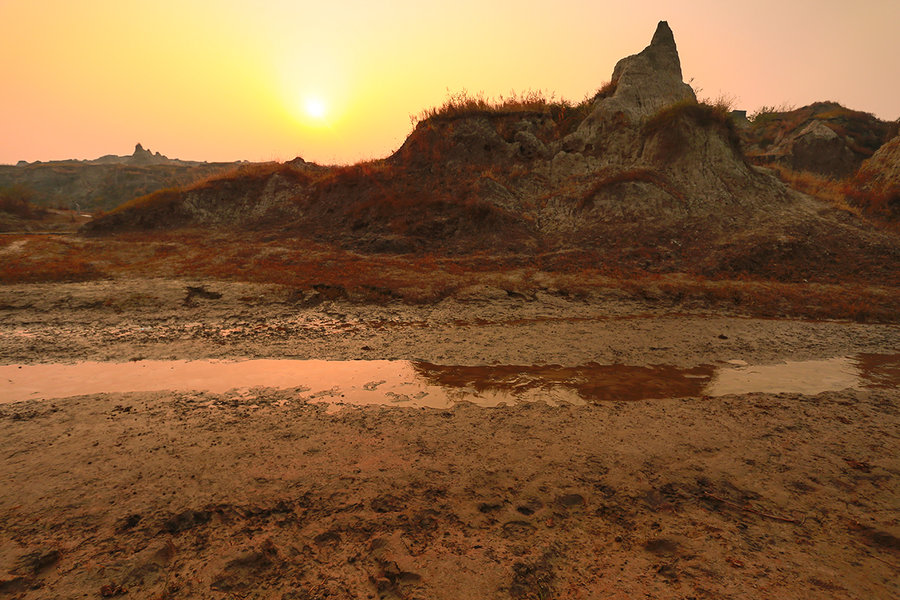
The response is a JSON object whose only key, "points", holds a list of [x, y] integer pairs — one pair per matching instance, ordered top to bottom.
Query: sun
{"points": [[315, 108]]}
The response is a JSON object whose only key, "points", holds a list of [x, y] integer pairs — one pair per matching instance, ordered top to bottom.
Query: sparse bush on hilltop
{"points": [[462, 104], [768, 112], [567, 115], [862, 132], [249, 171]]}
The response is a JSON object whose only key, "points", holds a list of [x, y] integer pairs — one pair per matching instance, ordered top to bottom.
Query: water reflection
{"points": [[879, 370], [799, 377], [587, 383], [422, 384]]}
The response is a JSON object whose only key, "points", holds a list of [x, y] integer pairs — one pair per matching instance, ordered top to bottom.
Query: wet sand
{"points": [[271, 495]]}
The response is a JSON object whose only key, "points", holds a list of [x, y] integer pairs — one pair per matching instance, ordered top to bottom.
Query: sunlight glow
{"points": [[236, 80], [315, 108]]}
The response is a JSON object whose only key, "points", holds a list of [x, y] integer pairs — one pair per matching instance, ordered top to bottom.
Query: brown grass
{"points": [[567, 115], [833, 191], [859, 195], [874, 197], [159, 199], [47, 260], [302, 266], [854, 302]]}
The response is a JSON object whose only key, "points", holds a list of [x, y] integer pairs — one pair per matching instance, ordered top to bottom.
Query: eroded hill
{"points": [[642, 176]]}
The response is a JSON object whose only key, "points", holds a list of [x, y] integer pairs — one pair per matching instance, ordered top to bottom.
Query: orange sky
{"points": [[337, 81]]}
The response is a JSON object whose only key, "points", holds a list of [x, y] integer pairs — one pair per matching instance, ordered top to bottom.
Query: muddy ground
{"points": [[199, 495]]}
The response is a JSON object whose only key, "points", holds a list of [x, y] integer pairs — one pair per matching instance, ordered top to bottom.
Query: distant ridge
{"points": [[140, 156], [105, 182]]}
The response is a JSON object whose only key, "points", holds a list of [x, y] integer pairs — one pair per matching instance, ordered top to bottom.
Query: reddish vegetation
{"points": [[854, 194], [305, 265]]}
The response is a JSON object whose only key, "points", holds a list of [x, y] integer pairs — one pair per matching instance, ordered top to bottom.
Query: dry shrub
{"points": [[607, 90], [860, 195]]}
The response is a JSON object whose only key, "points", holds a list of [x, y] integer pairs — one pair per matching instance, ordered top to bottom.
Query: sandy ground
{"points": [[200, 495]]}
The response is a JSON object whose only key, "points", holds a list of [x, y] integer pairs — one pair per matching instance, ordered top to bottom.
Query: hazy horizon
{"points": [[337, 83]]}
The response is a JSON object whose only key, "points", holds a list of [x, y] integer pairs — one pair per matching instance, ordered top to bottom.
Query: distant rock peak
{"points": [[663, 35], [143, 156]]}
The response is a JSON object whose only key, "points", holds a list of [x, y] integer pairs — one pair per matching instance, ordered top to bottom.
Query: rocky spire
{"points": [[662, 50], [650, 80]]}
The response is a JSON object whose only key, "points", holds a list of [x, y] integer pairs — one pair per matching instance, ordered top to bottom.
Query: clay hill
{"points": [[824, 138], [642, 176], [105, 182]]}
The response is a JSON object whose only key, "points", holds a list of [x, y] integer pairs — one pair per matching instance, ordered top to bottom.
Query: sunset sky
{"points": [[336, 81]]}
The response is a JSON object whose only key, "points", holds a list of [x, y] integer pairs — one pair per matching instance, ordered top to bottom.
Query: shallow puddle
{"points": [[421, 384]]}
